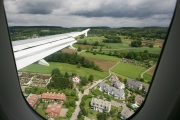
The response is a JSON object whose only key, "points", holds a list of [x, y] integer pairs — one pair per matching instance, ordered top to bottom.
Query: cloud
{"points": [[79, 13]]}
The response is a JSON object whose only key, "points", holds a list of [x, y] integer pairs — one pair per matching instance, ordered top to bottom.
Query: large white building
{"points": [[100, 105]]}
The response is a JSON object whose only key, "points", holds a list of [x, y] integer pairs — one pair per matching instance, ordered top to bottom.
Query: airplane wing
{"points": [[29, 51]]}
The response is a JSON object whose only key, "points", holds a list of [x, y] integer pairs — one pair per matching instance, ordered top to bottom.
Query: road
{"points": [[146, 71], [86, 92]]}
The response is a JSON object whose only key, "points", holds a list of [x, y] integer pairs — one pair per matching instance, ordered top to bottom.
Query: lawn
{"points": [[91, 40], [115, 45], [125, 50], [99, 56], [64, 67], [128, 70], [147, 77], [40, 110], [92, 114]]}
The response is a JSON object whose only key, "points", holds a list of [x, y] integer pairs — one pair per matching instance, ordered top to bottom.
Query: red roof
{"points": [[54, 96], [32, 99], [54, 110]]}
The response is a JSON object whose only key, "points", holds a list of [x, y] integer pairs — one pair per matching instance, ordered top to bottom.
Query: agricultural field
{"points": [[85, 47], [70, 51], [99, 56], [103, 64], [64, 67], [128, 70], [149, 74]]}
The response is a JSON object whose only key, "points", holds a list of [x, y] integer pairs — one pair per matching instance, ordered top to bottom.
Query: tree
{"points": [[85, 42], [96, 43], [136, 43], [151, 45], [79, 49], [100, 50], [94, 53], [130, 55], [78, 65], [55, 71], [66, 75], [91, 78], [141, 79], [84, 111], [102, 116]]}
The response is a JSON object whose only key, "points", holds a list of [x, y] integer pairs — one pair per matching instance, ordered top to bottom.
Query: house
{"points": [[76, 79], [116, 83], [134, 84], [146, 89], [118, 93], [51, 97], [33, 100], [139, 100], [100, 105], [53, 110], [126, 112]]}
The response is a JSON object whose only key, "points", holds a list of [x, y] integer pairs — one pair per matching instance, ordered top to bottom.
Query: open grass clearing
{"points": [[91, 40], [115, 45], [99, 56], [103, 64], [64, 67], [128, 70], [147, 77], [92, 114]]}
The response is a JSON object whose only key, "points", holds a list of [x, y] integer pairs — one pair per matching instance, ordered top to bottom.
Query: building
{"points": [[76, 79], [116, 83], [134, 84], [146, 89], [118, 93], [52, 97], [33, 100], [139, 100], [100, 105], [53, 110], [126, 112]]}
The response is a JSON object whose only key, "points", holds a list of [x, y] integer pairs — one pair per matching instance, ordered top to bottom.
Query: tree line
{"points": [[112, 39], [74, 59]]}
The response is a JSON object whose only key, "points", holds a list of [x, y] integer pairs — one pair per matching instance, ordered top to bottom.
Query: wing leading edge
{"points": [[29, 51]]}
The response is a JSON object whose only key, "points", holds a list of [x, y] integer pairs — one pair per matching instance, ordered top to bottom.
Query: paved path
{"points": [[81, 51], [146, 71], [86, 92], [76, 112]]}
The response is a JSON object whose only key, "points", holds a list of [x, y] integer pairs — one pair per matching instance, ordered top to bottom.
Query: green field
{"points": [[91, 40], [115, 45], [150, 50], [99, 56], [64, 67], [128, 70], [147, 77]]}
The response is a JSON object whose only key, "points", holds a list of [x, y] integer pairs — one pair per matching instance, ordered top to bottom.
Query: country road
{"points": [[146, 71], [86, 92]]}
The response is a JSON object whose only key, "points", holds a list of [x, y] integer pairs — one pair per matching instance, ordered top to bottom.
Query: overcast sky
{"points": [[86, 13]]}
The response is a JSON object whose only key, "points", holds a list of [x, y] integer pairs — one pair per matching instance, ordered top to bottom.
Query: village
{"points": [[125, 96]]}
